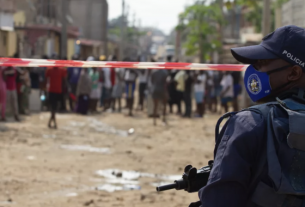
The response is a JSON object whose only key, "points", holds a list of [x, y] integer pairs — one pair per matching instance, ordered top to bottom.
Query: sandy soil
{"points": [[89, 159]]}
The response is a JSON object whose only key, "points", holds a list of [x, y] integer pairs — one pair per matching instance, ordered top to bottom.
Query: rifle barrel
{"points": [[166, 187]]}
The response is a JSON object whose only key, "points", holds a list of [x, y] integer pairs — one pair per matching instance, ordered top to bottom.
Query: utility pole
{"points": [[89, 19], [134, 20], [266, 26], [105, 27], [63, 29], [122, 31], [221, 32], [178, 41]]}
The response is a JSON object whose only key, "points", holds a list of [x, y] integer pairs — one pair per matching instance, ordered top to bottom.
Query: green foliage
{"points": [[248, 3], [279, 3], [255, 14], [201, 22], [115, 31], [131, 33]]}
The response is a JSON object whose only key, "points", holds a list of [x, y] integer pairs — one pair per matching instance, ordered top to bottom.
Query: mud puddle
{"points": [[93, 124], [101, 127], [49, 136], [87, 148], [118, 180]]}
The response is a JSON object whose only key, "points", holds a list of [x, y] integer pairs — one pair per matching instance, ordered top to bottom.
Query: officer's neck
{"points": [[295, 93]]}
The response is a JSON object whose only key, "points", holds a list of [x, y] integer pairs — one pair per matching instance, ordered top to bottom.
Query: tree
{"points": [[256, 10], [201, 23], [132, 34]]}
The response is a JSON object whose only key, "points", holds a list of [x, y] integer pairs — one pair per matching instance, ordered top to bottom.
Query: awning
{"points": [[9, 29], [71, 31], [92, 43]]}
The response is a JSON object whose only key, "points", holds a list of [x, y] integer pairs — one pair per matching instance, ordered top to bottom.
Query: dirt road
{"points": [[104, 160]]}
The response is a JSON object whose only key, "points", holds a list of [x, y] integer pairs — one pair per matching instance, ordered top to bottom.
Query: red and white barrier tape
{"points": [[18, 62]]}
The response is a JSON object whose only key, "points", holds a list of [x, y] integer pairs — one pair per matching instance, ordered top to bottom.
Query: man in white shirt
{"points": [[143, 78], [130, 80], [107, 86], [118, 88], [199, 89], [227, 92]]}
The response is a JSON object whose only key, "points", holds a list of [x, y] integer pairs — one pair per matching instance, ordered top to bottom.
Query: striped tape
{"points": [[18, 62]]}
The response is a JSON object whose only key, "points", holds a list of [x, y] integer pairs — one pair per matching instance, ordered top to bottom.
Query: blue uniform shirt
{"points": [[237, 157]]}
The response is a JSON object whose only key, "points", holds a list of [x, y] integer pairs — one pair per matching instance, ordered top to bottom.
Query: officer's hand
{"points": [[196, 204]]}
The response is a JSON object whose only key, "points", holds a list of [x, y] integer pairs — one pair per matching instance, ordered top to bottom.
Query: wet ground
{"points": [[102, 160]]}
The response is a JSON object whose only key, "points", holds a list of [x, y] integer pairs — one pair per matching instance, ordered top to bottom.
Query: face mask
{"points": [[258, 84]]}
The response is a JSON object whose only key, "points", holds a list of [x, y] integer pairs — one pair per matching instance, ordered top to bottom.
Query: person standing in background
{"points": [[10, 75], [55, 77], [73, 77], [217, 77], [143, 78], [130, 80], [113, 81], [180, 81], [42, 82], [101, 82], [23, 83], [101, 85], [107, 85], [171, 87], [19, 88], [65, 88], [118, 88], [237, 88], [199, 89], [26, 90], [95, 90], [188, 91], [83, 92], [159, 92], [227, 92], [94, 93], [2, 94], [210, 94], [174, 95], [149, 102]]}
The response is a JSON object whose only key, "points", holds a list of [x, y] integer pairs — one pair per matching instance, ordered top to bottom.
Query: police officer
{"points": [[260, 152]]}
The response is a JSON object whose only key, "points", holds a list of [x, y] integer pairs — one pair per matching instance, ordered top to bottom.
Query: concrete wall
{"points": [[293, 13], [91, 17], [19, 18], [6, 21], [3, 43], [8, 43], [11, 43], [57, 44], [71, 48]]}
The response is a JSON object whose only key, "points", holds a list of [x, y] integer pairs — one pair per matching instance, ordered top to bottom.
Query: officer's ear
{"points": [[295, 73]]}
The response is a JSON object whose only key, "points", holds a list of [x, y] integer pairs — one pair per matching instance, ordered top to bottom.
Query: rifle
{"points": [[192, 179]]}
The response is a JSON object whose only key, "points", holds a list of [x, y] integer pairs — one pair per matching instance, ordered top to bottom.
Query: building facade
{"points": [[91, 17], [41, 31], [7, 34]]}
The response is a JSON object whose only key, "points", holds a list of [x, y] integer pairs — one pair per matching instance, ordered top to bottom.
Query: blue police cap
{"points": [[287, 43]]}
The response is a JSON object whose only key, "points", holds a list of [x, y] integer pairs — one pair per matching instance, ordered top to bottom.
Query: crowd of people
{"points": [[89, 89]]}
